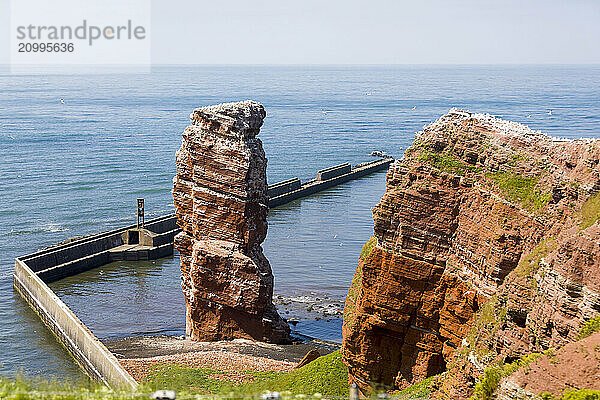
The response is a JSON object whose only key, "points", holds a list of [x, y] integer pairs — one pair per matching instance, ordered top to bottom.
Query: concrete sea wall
{"points": [[326, 178], [90, 252], [34, 271], [93, 357]]}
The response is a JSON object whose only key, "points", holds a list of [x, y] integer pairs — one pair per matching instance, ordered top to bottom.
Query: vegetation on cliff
{"points": [[447, 162], [521, 189], [590, 211], [368, 247], [530, 262], [349, 315], [590, 327], [326, 376], [488, 383], [421, 390], [582, 394]]}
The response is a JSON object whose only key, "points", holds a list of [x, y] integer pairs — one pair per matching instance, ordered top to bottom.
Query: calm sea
{"points": [[77, 168]]}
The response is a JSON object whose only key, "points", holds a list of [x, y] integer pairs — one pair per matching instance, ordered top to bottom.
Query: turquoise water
{"points": [[77, 168]]}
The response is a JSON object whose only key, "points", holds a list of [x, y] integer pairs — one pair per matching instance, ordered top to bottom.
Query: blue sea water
{"points": [[74, 169]]}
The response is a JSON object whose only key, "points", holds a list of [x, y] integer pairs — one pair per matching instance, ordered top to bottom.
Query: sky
{"points": [[369, 31]]}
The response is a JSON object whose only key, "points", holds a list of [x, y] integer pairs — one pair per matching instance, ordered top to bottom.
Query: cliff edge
{"points": [[485, 249]]}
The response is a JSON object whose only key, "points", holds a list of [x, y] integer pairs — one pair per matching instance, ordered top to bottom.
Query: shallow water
{"points": [[75, 169]]}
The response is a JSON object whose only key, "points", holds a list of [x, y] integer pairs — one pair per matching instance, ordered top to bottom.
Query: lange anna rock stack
{"points": [[220, 195]]}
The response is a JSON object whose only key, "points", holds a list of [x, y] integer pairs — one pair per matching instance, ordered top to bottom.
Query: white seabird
{"points": [[62, 101], [414, 108], [550, 112]]}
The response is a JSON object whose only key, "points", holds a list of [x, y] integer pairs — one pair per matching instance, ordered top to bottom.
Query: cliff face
{"points": [[220, 195], [479, 209], [572, 367]]}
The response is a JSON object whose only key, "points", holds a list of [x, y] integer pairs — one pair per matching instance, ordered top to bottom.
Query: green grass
{"points": [[446, 162], [521, 189], [590, 211], [530, 263], [590, 327], [326, 375], [184, 379], [489, 382], [21, 388], [421, 390], [582, 394]]}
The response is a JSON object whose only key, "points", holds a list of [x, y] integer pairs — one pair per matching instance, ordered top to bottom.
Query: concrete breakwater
{"points": [[292, 189], [155, 240], [34, 271]]}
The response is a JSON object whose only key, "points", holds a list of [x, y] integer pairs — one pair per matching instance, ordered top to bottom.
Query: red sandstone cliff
{"points": [[220, 195], [485, 249]]}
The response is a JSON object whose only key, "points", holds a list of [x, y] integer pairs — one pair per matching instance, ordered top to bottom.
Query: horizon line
{"points": [[371, 64]]}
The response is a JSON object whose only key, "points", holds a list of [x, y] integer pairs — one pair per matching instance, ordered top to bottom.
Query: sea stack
{"points": [[221, 204], [485, 250]]}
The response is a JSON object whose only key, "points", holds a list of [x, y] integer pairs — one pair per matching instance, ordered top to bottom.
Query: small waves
{"points": [[51, 227], [309, 307]]}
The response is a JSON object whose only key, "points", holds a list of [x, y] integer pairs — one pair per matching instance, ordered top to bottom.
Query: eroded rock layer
{"points": [[220, 196], [479, 208]]}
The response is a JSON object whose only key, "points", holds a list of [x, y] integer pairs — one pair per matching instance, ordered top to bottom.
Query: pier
{"points": [[151, 240]]}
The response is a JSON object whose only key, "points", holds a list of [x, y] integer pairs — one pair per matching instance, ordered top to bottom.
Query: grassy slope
{"points": [[521, 189], [590, 211], [327, 376]]}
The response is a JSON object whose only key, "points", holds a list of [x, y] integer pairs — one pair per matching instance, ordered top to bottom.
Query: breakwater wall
{"points": [[326, 178], [94, 251], [33, 272], [91, 355]]}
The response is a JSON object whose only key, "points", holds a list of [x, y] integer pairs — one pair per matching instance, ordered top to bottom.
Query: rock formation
{"points": [[220, 195], [485, 249], [572, 367]]}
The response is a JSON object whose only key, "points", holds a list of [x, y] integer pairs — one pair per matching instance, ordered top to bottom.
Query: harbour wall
{"points": [[327, 178], [81, 255], [33, 272], [93, 357]]}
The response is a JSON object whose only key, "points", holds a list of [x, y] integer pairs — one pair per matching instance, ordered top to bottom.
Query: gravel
{"points": [[233, 366]]}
